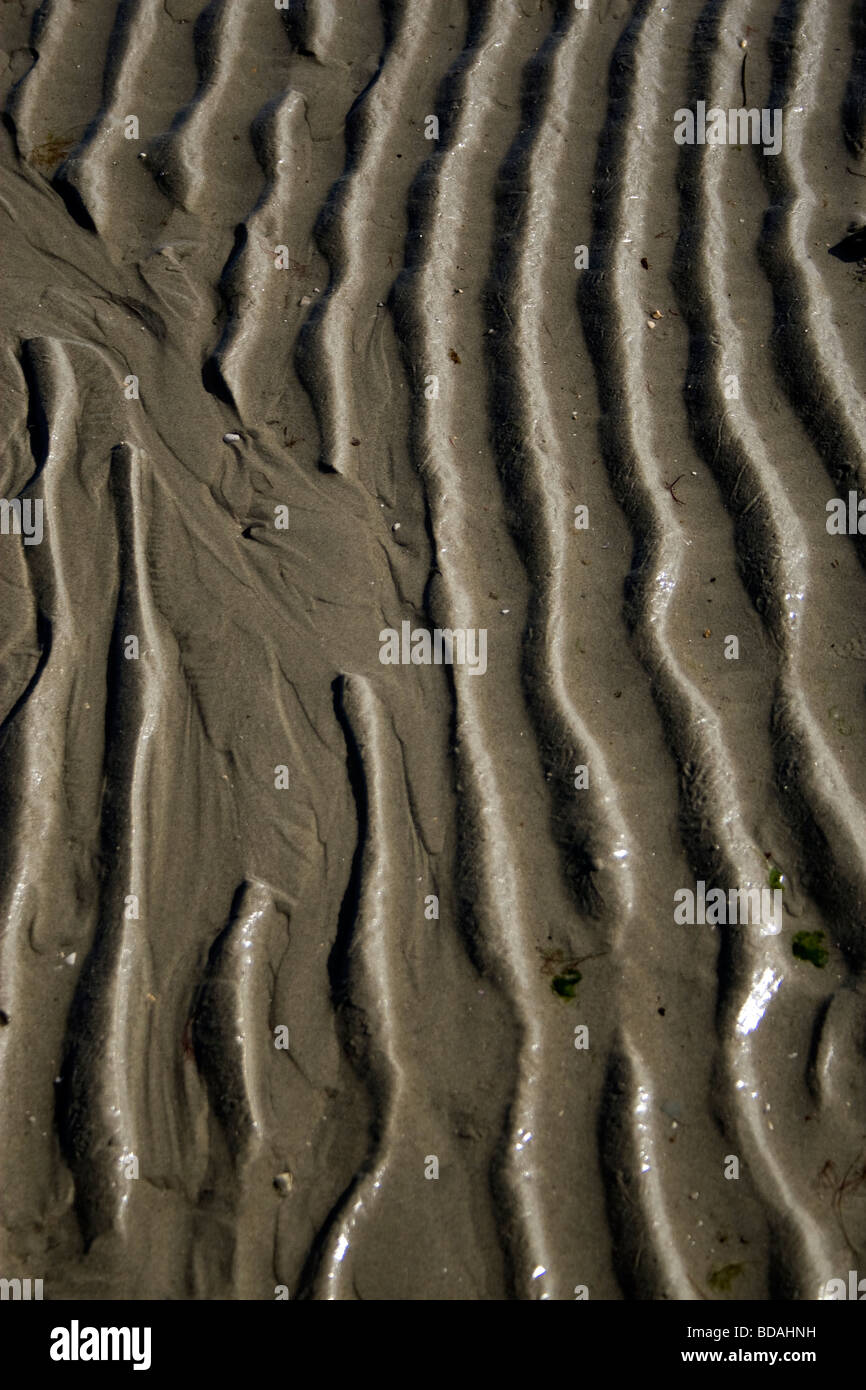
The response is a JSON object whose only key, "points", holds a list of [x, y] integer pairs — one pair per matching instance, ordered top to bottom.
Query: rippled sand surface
{"points": [[326, 329]]}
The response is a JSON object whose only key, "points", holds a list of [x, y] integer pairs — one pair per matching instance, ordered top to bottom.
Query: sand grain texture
{"points": [[284, 371]]}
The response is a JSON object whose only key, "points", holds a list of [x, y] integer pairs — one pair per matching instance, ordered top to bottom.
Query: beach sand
{"points": [[334, 978]]}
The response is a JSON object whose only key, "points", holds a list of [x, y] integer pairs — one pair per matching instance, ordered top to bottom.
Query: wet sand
{"points": [[328, 977]]}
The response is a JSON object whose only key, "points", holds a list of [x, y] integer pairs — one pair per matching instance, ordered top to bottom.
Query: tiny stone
{"points": [[230, 438], [283, 1183]]}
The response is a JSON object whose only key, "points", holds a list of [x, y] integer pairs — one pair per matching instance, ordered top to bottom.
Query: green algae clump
{"points": [[777, 878], [809, 945], [566, 984], [721, 1280]]}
